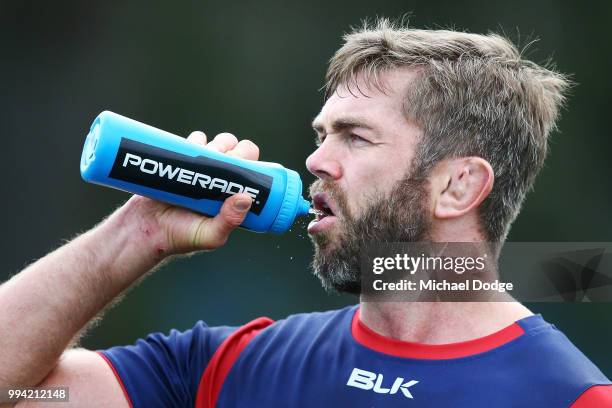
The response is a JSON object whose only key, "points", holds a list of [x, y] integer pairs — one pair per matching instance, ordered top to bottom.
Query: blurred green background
{"points": [[255, 69]]}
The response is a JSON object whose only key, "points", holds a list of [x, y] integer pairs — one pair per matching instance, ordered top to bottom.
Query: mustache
{"points": [[320, 186]]}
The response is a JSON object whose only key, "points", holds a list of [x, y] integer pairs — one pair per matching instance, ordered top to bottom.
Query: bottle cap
{"points": [[293, 204]]}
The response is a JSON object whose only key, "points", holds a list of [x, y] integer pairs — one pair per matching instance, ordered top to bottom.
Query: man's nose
{"points": [[324, 164]]}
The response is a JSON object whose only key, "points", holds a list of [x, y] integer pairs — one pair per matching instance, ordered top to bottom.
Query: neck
{"points": [[440, 322]]}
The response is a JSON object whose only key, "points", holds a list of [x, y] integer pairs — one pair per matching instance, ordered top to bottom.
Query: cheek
{"points": [[383, 170], [374, 177], [365, 182]]}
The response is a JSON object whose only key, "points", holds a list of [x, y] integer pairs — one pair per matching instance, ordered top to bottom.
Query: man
{"points": [[424, 136]]}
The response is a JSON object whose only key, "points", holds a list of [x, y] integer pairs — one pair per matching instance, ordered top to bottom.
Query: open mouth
{"points": [[320, 202], [321, 207], [325, 212]]}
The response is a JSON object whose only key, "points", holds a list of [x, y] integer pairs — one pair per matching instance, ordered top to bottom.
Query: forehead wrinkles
{"points": [[388, 95], [345, 107]]}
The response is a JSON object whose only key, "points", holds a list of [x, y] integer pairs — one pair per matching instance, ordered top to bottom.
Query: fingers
{"points": [[197, 137], [223, 142], [227, 143], [245, 149], [232, 214]]}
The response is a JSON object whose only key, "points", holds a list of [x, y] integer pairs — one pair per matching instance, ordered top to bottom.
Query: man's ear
{"points": [[460, 185]]}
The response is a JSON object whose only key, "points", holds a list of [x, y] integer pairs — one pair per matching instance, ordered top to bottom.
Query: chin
{"points": [[324, 242]]}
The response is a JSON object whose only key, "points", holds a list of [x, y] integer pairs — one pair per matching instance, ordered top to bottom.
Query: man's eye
{"points": [[319, 140], [358, 140]]}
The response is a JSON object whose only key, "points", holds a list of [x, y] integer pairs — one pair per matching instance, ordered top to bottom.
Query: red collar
{"points": [[372, 340]]}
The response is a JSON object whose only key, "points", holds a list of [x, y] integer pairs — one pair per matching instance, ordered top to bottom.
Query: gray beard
{"points": [[401, 216]]}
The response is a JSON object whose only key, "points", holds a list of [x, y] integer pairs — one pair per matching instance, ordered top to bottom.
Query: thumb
{"points": [[233, 212]]}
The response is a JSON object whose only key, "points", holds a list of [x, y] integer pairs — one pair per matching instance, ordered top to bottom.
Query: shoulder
{"points": [[316, 320], [301, 327], [264, 330], [260, 340], [555, 353], [554, 363], [165, 369]]}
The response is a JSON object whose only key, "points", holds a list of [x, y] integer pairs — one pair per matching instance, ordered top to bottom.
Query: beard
{"points": [[399, 216]]}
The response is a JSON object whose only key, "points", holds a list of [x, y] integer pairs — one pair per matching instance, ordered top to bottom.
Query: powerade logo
{"points": [[181, 175], [194, 177], [367, 380]]}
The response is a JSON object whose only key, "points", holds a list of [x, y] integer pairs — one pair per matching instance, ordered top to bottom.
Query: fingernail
{"points": [[242, 204]]}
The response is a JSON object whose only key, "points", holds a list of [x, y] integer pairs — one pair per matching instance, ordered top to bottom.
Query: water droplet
{"points": [[314, 211]]}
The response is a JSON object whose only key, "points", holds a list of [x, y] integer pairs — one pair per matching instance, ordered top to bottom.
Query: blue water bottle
{"points": [[128, 155]]}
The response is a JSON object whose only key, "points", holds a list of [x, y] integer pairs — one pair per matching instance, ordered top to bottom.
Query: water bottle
{"points": [[128, 155]]}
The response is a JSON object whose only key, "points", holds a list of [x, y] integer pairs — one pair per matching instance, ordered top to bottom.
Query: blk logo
{"points": [[367, 380]]}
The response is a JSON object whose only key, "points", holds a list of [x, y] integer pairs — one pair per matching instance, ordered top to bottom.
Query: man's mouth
{"points": [[325, 213]]}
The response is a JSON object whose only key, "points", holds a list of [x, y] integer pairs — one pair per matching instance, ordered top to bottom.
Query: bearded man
{"points": [[425, 136]]}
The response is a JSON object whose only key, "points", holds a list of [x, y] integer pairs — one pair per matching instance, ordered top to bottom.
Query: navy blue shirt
{"points": [[331, 359]]}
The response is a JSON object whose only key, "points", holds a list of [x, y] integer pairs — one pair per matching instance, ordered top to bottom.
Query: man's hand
{"points": [[177, 230]]}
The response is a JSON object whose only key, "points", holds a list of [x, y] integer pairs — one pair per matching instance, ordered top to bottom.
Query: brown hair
{"points": [[475, 95]]}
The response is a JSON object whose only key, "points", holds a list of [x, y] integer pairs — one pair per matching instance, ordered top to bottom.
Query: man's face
{"points": [[363, 162]]}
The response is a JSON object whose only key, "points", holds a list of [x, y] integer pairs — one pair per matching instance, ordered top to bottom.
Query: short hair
{"points": [[474, 95]]}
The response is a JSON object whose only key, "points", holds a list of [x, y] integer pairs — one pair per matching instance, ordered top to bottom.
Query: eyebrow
{"points": [[342, 124]]}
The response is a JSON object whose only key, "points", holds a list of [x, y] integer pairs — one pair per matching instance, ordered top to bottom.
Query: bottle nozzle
{"points": [[304, 207]]}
